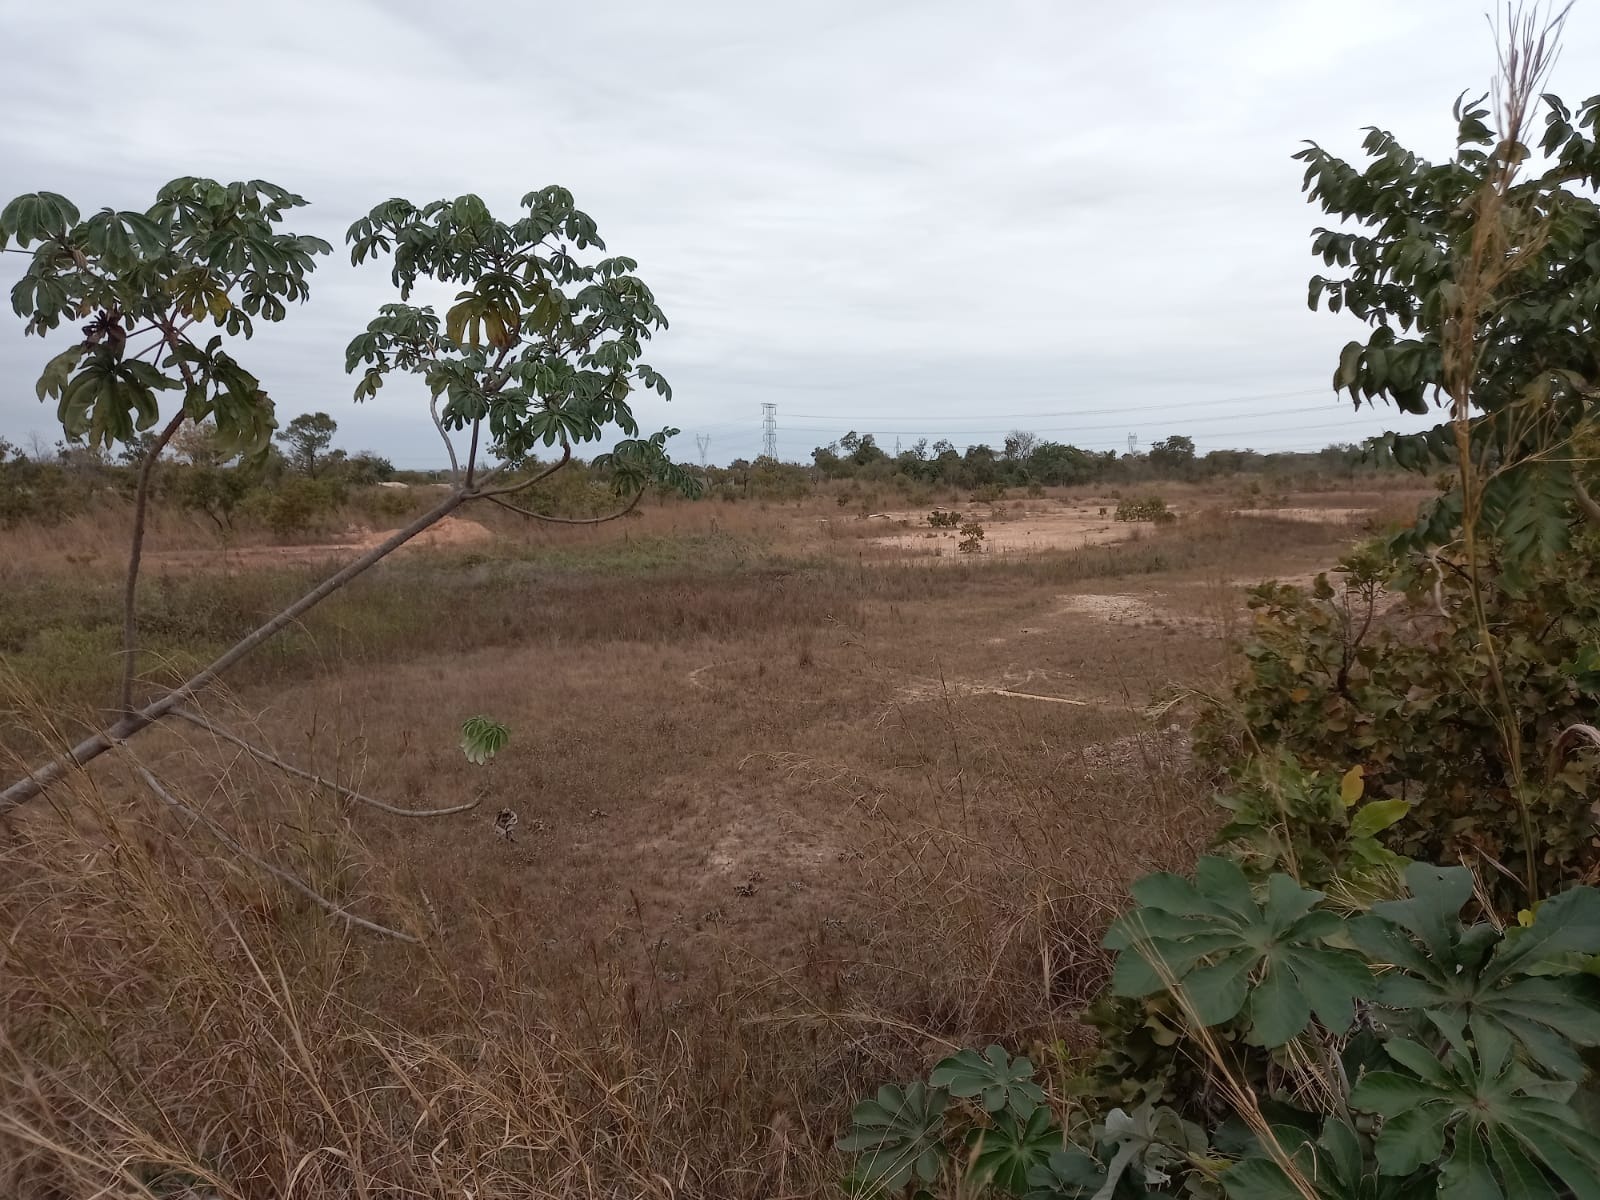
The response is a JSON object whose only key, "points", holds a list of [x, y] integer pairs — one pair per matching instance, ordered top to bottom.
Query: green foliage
{"points": [[1403, 242], [203, 252], [543, 343], [306, 437], [298, 506], [1148, 508], [940, 519], [971, 538], [1332, 681], [482, 738], [1314, 826], [1227, 954], [1470, 981], [993, 1077], [1494, 1126], [897, 1136], [1005, 1153]]}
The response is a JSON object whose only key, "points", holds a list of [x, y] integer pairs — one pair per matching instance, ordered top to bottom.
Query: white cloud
{"points": [[891, 216]]}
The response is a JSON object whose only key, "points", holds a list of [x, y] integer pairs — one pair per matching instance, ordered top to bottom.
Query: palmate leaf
{"points": [[109, 400], [482, 738], [1228, 954], [1466, 979], [997, 1080], [1491, 1118], [896, 1135], [1003, 1154], [1334, 1165]]}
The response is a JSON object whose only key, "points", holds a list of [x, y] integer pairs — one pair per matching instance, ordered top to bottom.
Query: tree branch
{"points": [[450, 447], [472, 452], [566, 457], [528, 512], [130, 589], [92, 747], [287, 768], [276, 872]]}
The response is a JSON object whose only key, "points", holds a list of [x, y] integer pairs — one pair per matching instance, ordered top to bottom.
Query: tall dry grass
{"points": [[175, 1023]]}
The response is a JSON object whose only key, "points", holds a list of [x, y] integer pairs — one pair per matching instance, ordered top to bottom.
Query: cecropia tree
{"points": [[541, 348]]}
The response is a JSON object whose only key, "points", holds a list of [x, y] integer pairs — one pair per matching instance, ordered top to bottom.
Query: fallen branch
{"points": [[288, 768], [276, 872]]}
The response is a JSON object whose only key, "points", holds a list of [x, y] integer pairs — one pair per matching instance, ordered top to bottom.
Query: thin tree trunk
{"points": [[130, 592], [90, 748]]}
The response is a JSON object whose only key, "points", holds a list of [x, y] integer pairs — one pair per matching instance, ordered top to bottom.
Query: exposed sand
{"points": [[1023, 532]]}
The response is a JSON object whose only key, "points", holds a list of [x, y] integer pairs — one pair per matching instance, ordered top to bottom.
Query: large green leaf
{"points": [[1226, 953], [1463, 979], [996, 1079], [1500, 1132], [896, 1135], [1004, 1153], [1335, 1166]]}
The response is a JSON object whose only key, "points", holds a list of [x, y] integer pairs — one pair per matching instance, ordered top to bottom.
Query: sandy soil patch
{"points": [[1318, 516], [1060, 529]]}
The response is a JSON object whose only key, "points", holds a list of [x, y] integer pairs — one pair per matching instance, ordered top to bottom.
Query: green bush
{"points": [[300, 505], [1148, 508], [941, 518], [1409, 695], [1402, 1051]]}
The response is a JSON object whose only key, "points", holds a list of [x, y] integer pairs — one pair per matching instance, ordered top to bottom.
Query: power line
{"points": [[1082, 412], [1176, 420]]}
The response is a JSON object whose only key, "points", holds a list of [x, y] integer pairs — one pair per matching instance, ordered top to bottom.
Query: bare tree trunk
{"points": [[130, 594], [36, 781]]}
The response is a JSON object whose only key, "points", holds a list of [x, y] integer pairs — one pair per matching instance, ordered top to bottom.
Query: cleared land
{"points": [[799, 806]]}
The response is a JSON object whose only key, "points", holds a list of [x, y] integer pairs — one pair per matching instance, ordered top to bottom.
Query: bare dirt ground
{"points": [[1034, 526], [1038, 526], [720, 795]]}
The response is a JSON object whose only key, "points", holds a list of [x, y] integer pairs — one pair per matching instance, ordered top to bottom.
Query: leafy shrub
{"points": [[218, 492], [988, 493], [300, 505], [1148, 508], [942, 519], [971, 538], [1333, 681], [1461, 1071]]}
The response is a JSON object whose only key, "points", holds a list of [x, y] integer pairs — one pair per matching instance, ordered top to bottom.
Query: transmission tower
{"points": [[769, 430], [703, 440], [1133, 443]]}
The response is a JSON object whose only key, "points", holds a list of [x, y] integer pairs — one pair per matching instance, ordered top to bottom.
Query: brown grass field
{"points": [[802, 805]]}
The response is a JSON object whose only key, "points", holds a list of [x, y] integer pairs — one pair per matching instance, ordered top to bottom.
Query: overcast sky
{"points": [[920, 219]]}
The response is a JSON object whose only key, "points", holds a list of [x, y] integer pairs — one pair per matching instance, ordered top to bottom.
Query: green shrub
{"points": [[300, 505], [1149, 508], [941, 518], [971, 538], [1409, 695], [1399, 1052]]}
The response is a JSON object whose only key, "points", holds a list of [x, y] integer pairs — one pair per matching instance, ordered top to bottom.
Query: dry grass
{"points": [[781, 840]]}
